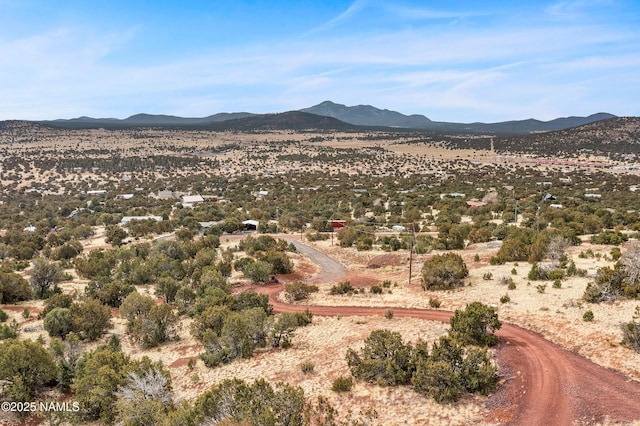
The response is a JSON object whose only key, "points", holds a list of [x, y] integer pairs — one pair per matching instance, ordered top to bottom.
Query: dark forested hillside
{"points": [[619, 135]]}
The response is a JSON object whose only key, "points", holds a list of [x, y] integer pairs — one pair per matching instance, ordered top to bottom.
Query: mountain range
{"points": [[328, 116]]}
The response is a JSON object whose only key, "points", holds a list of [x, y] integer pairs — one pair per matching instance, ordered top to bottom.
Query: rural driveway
{"points": [[330, 269], [544, 384]]}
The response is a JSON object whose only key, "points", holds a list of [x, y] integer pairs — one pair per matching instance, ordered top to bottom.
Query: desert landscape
{"points": [[177, 259]]}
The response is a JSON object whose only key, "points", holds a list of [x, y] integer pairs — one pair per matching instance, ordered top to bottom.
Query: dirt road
{"points": [[544, 384]]}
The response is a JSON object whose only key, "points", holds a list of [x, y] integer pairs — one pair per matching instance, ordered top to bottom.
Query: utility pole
{"points": [[515, 208], [411, 254]]}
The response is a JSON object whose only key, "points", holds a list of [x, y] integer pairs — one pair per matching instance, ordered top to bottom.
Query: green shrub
{"points": [[317, 236], [609, 237], [615, 253], [279, 261], [242, 263], [444, 272], [537, 272], [556, 274], [487, 276], [557, 283], [512, 285], [343, 287], [541, 288], [375, 289], [297, 290], [505, 298], [434, 302], [388, 314], [3, 316], [588, 316], [59, 322], [475, 325], [9, 331], [631, 332], [384, 359], [307, 367], [440, 380], [342, 384]]}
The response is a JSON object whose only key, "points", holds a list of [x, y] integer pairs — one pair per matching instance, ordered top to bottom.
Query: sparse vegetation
{"points": [[443, 272], [202, 274], [343, 287], [587, 316], [342, 384]]}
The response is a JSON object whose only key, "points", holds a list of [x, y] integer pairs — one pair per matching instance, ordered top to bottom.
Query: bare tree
{"points": [[556, 248], [630, 262], [153, 384], [145, 399]]}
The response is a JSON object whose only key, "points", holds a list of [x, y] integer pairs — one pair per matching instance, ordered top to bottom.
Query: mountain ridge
{"points": [[346, 117]]}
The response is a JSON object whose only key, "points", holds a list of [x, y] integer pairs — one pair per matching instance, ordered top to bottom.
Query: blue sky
{"points": [[457, 61]]}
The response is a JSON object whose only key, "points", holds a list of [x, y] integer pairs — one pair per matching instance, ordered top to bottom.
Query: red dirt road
{"points": [[543, 383]]}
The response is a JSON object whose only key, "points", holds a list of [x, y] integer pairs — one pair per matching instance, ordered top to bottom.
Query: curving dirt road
{"points": [[544, 384]]}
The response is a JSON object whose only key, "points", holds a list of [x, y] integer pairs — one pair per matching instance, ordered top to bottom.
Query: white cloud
{"points": [[351, 11], [482, 73]]}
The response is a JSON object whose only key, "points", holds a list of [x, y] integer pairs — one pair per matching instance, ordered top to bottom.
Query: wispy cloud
{"points": [[572, 8], [351, 11], [414, 13], [522, 65]]}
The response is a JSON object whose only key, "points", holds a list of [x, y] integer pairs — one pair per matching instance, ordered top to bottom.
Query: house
{"points": [[97, 192], [261, 194], [166, 195], [453, 195], [593, 195], [124, 196], [549, 197], [189, 201], [474, 203], [556, 206], [74, 214], [128, 219], [336, 224], [206, 225], [250, 225], [399, 228], [31, 229]]}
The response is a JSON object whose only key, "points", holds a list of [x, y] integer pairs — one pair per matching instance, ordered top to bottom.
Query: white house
{"points": [[189, 201], [128, 219]]}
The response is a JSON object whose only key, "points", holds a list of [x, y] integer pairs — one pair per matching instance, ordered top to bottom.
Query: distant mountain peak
{"points": [[367, 115], [350, 116]]}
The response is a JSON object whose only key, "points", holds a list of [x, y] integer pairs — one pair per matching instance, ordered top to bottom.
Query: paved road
{"points": [[330, 269]]}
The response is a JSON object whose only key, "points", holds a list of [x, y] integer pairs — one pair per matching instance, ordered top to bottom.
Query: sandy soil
{"points": [[544, 383]]}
